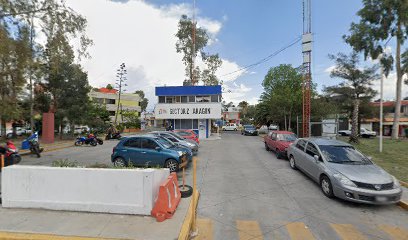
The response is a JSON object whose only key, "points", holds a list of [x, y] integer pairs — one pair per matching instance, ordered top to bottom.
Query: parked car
{"points": [[230, 127], [273, 127], [263, 129], [249, 130], [19, 132], [365, 133], [188, 134], [175, 138], [279, 141], [149, 151], [343, 172]]}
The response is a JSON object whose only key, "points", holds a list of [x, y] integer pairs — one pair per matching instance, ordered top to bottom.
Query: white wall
{"points": [[123, 191]]}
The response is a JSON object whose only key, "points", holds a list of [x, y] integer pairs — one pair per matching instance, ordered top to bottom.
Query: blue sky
{"points": [[253, 29], [142, 34]]}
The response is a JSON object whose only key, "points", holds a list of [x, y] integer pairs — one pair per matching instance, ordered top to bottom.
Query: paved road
{"points": [[246, 193]]}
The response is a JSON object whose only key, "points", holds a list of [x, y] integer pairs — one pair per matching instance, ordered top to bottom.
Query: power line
{"points": [[269, 57]]}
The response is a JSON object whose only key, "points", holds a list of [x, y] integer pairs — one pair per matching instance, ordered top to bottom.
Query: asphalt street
{"points": [[246, 193]]}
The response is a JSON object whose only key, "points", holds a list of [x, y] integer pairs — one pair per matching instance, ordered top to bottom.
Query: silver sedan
{"points": [[344, 172]]}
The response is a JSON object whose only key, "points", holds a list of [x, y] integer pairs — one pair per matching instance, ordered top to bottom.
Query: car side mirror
{"points": [[158, 148], [317, 158]]}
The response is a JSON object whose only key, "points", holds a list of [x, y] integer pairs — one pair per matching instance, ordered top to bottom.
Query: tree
{"points": [[381, 20], [190, 49], [208, 76], [120, 84], [357, 85], [109, 86], [144, 101], [225, 105], [244, 107], [98, 117], [130, 119]]}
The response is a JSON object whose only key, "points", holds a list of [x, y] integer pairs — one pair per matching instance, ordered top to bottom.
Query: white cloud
{"points": [[142, 36], [330, 69], [390, 87], [233, 92]]}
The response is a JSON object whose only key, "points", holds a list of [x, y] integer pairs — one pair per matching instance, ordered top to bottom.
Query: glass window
{"points": [[214, 98], [162, 99], [169, 99], [178, 99], [184, 99], [191, 99], [203, 99], [110, 101], [112, 113], [195, 123], [177, 124], [186, 124], [287, 137], [165, 142], [133, 143], [148, 143], [301, 144], [311, 150], [343, 155]]}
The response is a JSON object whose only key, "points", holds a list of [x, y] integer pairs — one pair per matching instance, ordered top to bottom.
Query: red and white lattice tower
{"points": [[307, 62]]}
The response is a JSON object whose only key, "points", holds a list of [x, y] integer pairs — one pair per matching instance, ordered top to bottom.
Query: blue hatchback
{"points": [[150, 151]]}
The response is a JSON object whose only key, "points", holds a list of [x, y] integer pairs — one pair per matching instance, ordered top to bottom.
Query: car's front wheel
{"points": [[267, 147], [119, 162], [292, 163], [172, 164], [326, 186]]}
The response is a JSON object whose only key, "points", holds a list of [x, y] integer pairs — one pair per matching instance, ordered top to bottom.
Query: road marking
{"points": [[205, 229], [249, 230], [299, 231], [347, 232], [396, 232], [32, 236]]}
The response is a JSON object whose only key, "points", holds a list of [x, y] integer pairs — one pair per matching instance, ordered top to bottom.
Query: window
{"points": [[214, 98], [162, 99], [169, 99], [178, 99], [184, 99], [191, 99], [203, 99], [110, 101], [112, 113], [195, 123], [177, 124], [186, 124], [274, 136], [133, 143], [149, 144], [301, 144], [311, 150]]}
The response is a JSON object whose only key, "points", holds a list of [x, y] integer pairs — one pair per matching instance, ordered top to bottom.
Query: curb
{"points": [[47, 150], [403, 183], [403, 204], [188, 220], [38, 236]]}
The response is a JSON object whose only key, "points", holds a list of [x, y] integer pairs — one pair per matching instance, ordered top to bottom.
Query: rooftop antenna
{"points": [[193, 37], [307, 63]]}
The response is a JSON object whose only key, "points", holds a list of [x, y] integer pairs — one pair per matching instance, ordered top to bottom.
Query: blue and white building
{"points": [[189, 107]]}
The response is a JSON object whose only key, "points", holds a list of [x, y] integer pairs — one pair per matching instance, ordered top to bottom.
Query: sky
{"points": [[142, 35]]}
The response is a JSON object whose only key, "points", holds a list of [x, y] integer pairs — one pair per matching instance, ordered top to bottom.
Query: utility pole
{"points": [[307, 62], [120, 83], [381, 105]]}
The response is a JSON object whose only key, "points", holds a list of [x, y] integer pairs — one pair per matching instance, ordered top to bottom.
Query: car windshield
{"points": [[249, 127], [182, 133], [176, 136], [287, 137], [165, 143], [343, 155]]}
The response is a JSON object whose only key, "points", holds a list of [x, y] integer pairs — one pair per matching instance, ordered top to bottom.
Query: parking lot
{"points": [[246, 193]]}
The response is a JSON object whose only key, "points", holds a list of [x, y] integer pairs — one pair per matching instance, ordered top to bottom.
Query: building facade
{"points": [[110, 98], [189, 107], [232, 115]]}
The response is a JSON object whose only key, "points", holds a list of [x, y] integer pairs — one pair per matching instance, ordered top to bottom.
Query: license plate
{"points": [[381, 199]]}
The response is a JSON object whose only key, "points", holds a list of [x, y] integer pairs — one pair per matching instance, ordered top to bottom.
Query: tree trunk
{"points": [[397, 112], [354, 123], [3, 128]]}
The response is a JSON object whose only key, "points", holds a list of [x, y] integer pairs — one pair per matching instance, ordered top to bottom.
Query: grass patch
{"points": [[394, 158], [64, 163]]}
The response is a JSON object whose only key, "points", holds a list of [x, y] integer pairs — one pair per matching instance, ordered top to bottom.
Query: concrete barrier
{"points": [[123, 191]]}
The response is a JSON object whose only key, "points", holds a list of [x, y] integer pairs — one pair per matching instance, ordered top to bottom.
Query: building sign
{"points": [[188, 111]]}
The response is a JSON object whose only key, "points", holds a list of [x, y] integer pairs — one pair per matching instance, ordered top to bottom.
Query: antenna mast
{"points": [[307, 62], [194, 82]]}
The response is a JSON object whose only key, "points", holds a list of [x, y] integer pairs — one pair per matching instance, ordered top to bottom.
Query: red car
{"points": [[188, 134], [279, 141]]}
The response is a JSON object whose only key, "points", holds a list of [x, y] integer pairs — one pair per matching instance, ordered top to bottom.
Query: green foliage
{"points": [[208, 76], [109, 86], [355, 89], [144, 102], [97, 117], [130, 119], [65, 163]]}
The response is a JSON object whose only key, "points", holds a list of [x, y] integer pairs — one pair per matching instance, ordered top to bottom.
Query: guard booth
{"points": [[189, 107]]}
